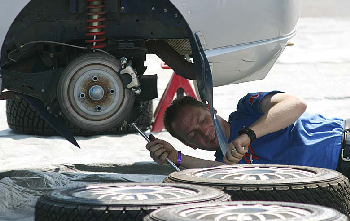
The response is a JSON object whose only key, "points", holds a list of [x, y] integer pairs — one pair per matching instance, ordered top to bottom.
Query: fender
{"points": [[8, 18], [248, 35]]}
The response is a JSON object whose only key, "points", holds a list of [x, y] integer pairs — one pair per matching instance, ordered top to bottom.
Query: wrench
{"points": [[148, 140]]}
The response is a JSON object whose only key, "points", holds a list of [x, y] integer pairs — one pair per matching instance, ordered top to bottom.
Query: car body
{"points": [[85, 58]]}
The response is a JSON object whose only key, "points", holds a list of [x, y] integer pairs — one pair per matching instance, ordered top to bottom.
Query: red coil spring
{"points": [[95, 23]]}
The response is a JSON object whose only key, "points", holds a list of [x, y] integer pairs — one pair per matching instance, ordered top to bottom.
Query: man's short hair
{"points": [[174, 109]]}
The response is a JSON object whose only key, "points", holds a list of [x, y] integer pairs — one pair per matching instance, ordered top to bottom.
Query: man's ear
{"points": [[209, 108], [190, 145]]}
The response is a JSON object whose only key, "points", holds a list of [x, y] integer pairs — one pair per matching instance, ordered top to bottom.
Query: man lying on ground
{"points": [[266, 128]]}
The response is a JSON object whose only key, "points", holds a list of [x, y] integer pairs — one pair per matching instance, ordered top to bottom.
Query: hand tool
{"points": [[148, 139]]}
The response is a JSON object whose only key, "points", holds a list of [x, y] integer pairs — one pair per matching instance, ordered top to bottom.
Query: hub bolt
{"points": [[94, 78], [82, 95]]}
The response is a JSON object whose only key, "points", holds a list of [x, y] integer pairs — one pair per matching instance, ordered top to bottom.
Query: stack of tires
{"points": [[278, 186], [230, 192]]}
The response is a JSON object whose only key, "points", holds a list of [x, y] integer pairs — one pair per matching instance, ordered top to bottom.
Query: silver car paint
{"points": [[242, 39]]}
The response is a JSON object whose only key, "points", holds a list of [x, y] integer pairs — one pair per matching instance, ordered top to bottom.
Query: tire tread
{"points": [[24, 119]]}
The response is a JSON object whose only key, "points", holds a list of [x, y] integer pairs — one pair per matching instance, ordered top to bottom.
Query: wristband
{"points": [[249, 132], [179, 156]]}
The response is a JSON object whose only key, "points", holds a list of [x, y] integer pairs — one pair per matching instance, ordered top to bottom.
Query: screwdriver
{"points": [[148, 139]]}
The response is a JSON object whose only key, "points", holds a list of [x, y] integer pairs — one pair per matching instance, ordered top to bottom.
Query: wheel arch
{"points": [[43, 21]]}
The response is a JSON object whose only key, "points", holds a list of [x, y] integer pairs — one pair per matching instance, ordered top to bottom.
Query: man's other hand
{"points": [[237, 149], [160, 150]]}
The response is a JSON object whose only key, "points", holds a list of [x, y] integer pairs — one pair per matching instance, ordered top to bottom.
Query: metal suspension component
{"points": [[96, 15], [92, 94]]}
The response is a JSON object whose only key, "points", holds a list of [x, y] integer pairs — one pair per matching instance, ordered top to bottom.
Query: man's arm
{"points": [[280, 110], [160, 150]]}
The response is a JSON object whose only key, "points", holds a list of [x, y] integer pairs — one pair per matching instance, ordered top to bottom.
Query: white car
{"points": [[84, 59]]}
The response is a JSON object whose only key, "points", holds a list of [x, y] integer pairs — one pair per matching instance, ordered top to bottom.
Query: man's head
{"points": [[190, 121]]}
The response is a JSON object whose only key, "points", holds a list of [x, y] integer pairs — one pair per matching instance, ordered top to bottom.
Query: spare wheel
{"points": [[91, 92], [289, 183], [119, 201], [246, 210]]}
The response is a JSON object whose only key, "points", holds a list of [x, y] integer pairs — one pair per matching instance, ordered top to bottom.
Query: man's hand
{"points": [[237, 149], [160, 150]]}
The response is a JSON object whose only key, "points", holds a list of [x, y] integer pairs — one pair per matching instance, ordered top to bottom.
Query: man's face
{"points": [[196, 127]]}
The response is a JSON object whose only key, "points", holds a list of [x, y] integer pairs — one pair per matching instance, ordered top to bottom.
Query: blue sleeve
{"points": [[250, 104], [219, 157]]}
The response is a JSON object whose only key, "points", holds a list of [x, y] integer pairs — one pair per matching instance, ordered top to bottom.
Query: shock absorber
{"points": [[96, 15]]}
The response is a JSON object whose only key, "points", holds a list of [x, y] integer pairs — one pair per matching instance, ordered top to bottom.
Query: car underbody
{"points": [[48, 35], [84, 59]]}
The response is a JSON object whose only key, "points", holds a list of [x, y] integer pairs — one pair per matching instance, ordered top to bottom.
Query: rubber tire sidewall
{"points": [[61, 205]]}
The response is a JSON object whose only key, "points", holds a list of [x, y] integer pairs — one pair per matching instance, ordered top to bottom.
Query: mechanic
{"points": [[266, 128]]}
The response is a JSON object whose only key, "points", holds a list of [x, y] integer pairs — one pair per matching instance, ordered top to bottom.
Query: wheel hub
{"points": [[96, 92], [92, 94], [97, 103]]}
